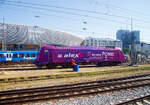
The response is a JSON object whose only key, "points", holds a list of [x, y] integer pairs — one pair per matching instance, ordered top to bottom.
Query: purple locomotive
{"points": [[51, 56]]}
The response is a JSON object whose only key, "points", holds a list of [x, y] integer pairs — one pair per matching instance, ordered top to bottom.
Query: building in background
{"points": [[137, 35], [126, 37], [103, 42], [145, 48]]}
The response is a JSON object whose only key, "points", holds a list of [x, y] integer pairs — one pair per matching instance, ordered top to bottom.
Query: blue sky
{"points": [[95, 18]]}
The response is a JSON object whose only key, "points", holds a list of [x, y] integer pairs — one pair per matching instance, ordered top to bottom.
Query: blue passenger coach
{"points": [[18, 55]]}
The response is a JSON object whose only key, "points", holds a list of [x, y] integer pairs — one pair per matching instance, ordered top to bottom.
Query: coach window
{"points": [[1, 55], [15, 55], [21, 55], [27, 55], [32, 55]]}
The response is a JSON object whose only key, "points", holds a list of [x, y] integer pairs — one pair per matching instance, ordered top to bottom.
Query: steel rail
{"points": [[105, 80], [68, 88], [78, 94]]}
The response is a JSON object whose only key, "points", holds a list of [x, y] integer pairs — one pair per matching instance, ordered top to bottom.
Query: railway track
{"points": [[15, 64], [33, 67], [73, 90], [145, 100]]}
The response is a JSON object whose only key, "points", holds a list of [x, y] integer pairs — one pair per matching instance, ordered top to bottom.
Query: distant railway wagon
{"points": [[17, 55], [52, 56]]}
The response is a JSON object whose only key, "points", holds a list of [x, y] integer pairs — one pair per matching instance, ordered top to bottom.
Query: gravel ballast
{"points": [[105, 99]]}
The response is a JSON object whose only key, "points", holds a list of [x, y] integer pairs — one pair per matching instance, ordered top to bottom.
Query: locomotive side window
{"points": [[46, 51], [1, 55], [15, 55], [21, 55], [32, 55]]}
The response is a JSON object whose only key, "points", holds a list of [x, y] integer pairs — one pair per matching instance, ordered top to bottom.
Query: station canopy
{"points": [[21, 34]]}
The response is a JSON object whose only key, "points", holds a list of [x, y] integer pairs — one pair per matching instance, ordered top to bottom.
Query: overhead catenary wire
{"points": [[66, 8], [74, 9], [127, 10], [64, 12], [71, 13], [72, 30]]}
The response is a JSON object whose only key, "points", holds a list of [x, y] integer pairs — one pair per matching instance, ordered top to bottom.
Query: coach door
{"points": [[8, 56]]}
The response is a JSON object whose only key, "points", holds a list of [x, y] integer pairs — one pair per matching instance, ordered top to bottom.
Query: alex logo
{"points": [[69, 55]]}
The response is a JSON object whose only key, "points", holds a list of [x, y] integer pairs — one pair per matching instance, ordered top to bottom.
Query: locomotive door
{"points": [[46, 55], [118, 56]]}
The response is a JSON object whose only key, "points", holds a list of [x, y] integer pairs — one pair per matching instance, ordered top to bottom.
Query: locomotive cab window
{"points": [[1, 55]]}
